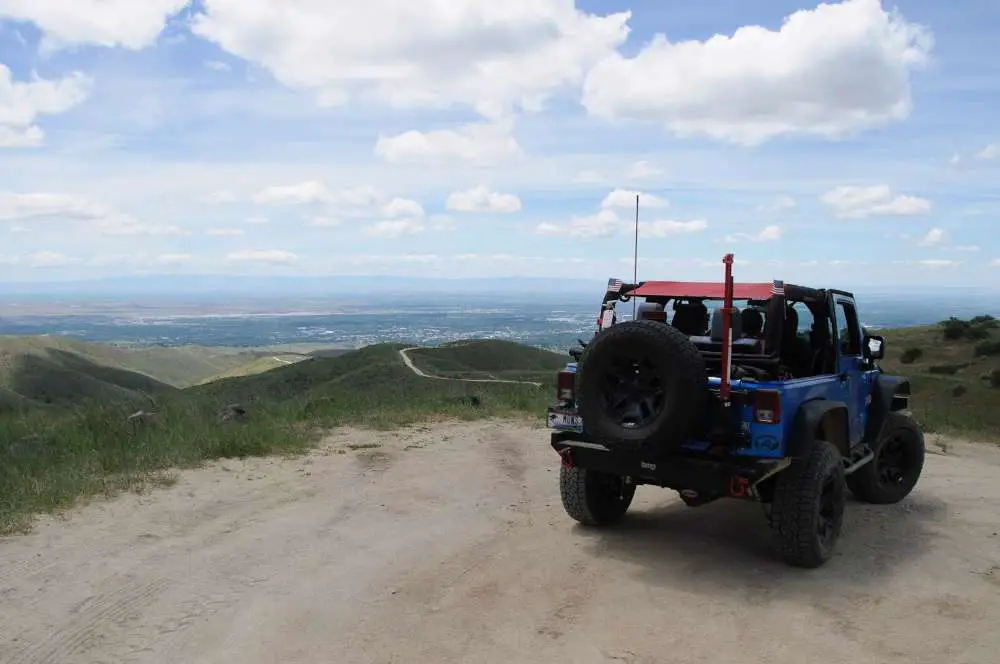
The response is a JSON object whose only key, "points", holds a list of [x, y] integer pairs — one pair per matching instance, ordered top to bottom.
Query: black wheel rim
{"points": [[634, 394], [894, 462], [829, 511]]}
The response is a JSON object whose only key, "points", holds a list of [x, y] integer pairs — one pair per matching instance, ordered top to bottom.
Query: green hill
{"points": [[503, 360], [179, 366], [954, 369], [47, 375]]}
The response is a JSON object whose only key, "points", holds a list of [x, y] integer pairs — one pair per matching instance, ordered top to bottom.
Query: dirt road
{"points": [[404, 354], [448, 544]]}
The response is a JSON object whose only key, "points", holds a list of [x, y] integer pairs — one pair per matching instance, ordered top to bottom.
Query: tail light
{"points": [[566, 386], [767, 407]]}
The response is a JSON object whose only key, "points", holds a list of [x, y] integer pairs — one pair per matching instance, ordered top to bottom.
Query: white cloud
{"points": [[126, 23], [493, 57], [218, 65], [829, 71], [21, 103], [474, 143], [989, 152], [643, 170], [302, 193], [220, 196], [624, 198], [482, 199], [852, 202], [779, 204], [402, 207], [88, 215], [255, 220], [321, 221], [606, 223], [120, 224], [602, 224], [665, 227], [394, 228], [224, 232], [766, 234], [933, 237], [967, 248], [263, 256], [42, 259], [173, 259], [938, 262], [996, 262]]}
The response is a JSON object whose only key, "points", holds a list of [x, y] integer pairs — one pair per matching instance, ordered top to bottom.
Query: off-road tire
{"points": [[676, 365], [870, 483], [799, 494], [594, 498]]}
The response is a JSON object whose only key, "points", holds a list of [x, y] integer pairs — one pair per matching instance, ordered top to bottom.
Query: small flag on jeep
{"points": [[614, 285]]}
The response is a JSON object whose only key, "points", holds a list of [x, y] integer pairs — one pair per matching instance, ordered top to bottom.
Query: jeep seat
{"points": [[691, 318], [741, 344]]}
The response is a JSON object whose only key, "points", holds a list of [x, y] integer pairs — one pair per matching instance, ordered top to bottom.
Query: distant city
{"points": [[548, 318]]}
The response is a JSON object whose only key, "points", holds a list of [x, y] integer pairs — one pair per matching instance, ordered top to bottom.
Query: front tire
{"points": [[898, 463], [594, 498], [808, 509]]}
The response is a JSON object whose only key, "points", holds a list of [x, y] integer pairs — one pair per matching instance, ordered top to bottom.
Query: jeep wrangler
{"points": [[775, 397]]}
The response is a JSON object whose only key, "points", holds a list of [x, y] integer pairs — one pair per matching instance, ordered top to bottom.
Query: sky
{"points": [[840, 144]]}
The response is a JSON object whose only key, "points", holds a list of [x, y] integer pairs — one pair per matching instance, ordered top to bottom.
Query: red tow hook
{"points": [[567, 459], [738, 486]]}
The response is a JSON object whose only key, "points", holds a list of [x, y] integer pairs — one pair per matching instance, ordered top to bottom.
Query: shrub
{"points": [[985, 321], [954, 329], [977, 333], [987, 348], [911, 355], [945, 369], [995, 378], [959, 390]]}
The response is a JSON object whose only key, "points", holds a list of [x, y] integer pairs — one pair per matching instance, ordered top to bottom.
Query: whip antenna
{"points": [[635, 253]]}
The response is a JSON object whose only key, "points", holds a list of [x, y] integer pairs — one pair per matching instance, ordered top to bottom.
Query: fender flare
{"points": [[889, 393], [807, 421]]}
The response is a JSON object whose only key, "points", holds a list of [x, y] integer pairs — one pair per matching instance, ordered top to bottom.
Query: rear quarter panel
{"points": [[768, 441]]}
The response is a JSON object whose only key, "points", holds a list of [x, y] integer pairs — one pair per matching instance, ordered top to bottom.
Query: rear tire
{"points": [[641, 386], [898, 463], [594, 498], [808, 509]]}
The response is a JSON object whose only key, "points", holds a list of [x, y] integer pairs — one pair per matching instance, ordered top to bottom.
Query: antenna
{"points": [[635, 254]]}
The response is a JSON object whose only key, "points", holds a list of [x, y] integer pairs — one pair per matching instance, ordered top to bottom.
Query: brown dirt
{"points": [[448, 543]]}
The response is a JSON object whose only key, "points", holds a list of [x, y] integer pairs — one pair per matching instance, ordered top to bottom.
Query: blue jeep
{"points": [[775, 397]]}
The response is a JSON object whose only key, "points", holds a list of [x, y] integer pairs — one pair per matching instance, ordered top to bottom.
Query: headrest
{"points": [[651, 311], [753, 321], [718, 324]]}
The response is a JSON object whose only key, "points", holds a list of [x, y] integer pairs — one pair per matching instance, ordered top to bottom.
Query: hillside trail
{"points": [[408, 361], [447, 543]]}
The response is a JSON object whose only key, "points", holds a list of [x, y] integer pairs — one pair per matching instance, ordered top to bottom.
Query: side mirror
{"points": [[874, 347]]}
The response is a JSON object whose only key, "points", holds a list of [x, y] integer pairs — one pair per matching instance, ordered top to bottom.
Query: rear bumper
{"points": [[730, 476]]}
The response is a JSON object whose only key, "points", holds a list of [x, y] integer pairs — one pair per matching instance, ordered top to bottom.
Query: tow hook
{"points": [[567, 458], [738, 486]]}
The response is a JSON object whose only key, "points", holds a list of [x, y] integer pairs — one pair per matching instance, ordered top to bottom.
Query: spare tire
{"points": [[641, 386]]}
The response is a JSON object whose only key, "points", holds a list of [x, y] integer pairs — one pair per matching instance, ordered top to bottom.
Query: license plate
{"points": [[565, 421]]}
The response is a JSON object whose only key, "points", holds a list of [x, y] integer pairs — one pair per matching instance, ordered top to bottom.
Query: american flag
{"points": [[615, 285], [778, 288]]}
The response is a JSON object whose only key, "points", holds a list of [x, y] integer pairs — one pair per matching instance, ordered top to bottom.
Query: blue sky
{"points": [[849, 143]]}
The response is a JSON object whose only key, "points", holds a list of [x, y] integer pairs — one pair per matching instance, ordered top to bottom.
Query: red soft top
{"points": [[702, 289]]}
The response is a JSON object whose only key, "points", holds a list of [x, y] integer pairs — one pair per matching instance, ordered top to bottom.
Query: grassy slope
{"points": [[489, 359], [178, 366], [33, 373], [962, 402], [47, 462]]}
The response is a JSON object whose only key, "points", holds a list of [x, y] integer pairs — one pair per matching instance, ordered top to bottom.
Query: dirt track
{"points": [[448, 544]]}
